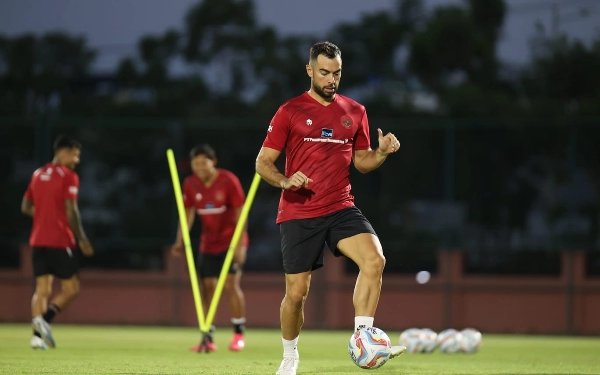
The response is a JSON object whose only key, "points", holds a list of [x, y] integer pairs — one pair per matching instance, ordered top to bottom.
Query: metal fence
{"points": [[511, 194]]}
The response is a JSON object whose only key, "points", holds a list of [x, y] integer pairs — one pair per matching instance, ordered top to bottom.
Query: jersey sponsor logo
{"points": [[346, 121], [309, 122], [326, 133], [326, 140], [73, 190], [211, 210]]}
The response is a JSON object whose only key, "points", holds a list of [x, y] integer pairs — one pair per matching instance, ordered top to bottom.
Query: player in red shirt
{"points": [[322, 133], [216, 196], [51, 200]]}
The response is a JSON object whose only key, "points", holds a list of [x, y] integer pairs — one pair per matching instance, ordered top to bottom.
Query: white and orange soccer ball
{"points": [[419, 340], [471, 340], [449, 341], [369, 348]]}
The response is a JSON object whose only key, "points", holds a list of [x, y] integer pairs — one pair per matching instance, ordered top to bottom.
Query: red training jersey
{"points": [[318, 141], [48, 189], [215, 204]]}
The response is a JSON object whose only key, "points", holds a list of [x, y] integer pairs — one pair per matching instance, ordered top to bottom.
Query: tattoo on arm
{"points": [[75, 219]]}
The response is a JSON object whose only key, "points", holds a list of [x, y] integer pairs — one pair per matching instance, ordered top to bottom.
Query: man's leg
{"points": [[365, 250], [209, 285], [69, 290], [43, 291], [235, 295], [39, 303], [292, 307], [238, 308], [291, 313]]}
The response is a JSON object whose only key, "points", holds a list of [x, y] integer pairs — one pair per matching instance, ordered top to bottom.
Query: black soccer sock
{"points": [[51, 312], [239, 325], [36, 333]]}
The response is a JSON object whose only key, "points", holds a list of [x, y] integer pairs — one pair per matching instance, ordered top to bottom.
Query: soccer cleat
{"points": [[41, 326], [38, 343], [237, 343], [206, 345], [397, 350], [288, 366]]}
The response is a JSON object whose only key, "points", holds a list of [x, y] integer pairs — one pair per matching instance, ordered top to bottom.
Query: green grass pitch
{"points": [[164, 350]]}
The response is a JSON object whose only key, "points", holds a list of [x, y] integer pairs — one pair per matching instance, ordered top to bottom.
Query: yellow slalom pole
{"points": [[185, 234], [230, 252]]}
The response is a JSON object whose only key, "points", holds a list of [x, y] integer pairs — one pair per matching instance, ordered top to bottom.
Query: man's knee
{"points": [[374, 264], [231, 284], [71, 287], [297, 289], [43, 291]]}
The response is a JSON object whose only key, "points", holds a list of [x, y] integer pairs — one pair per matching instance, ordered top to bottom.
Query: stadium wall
{"points": [[567, 304]]}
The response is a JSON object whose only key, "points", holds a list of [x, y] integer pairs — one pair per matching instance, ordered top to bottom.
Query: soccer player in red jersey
{"points": [[322, 133], [216, 196], [51, 200]]}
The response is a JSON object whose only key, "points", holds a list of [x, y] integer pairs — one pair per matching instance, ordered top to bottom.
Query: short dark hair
{"points": [[327, 49], [65, 141], [203, 149]]}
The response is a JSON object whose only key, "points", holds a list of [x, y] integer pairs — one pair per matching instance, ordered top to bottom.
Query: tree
{"points": [[449, 45], [156, 52], [37, 68], [565, 74]]}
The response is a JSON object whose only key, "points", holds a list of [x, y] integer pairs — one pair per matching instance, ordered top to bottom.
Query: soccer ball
{"points": [[411, 338], [419, 340], [429, 340], [471, 340], [449, 341], [369, 348]]}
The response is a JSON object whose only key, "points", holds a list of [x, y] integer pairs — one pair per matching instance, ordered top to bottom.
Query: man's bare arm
{"points": [[368, 160], [265, 167], [27, 207], [190, 213], [74, 218]]}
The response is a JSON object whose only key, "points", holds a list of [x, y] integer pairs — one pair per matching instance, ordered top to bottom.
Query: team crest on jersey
{"points": [[346, 121], [309, 122], [198, 196], [219, 196]]}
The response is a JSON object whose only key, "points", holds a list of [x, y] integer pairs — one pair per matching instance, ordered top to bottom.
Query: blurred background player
{"points": [[216, 195], [51, 200]]}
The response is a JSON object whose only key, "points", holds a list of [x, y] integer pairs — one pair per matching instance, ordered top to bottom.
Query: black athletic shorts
{"points": [[303, 241], [60, 262], [210, 265]]}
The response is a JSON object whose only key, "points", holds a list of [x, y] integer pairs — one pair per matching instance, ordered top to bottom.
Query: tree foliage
{"points": [[233, 60]]}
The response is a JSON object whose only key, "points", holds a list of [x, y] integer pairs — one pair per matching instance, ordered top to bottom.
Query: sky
{"points": [[115, 25]]}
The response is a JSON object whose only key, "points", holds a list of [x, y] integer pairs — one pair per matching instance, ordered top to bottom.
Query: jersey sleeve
{"points": [[278, 130], [362, 141], [71, 186], [188, 193], [236, 193]]}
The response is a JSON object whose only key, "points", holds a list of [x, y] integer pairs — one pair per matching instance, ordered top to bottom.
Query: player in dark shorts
{"points": [[322, 133], [217, 197], [56, 237]]}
